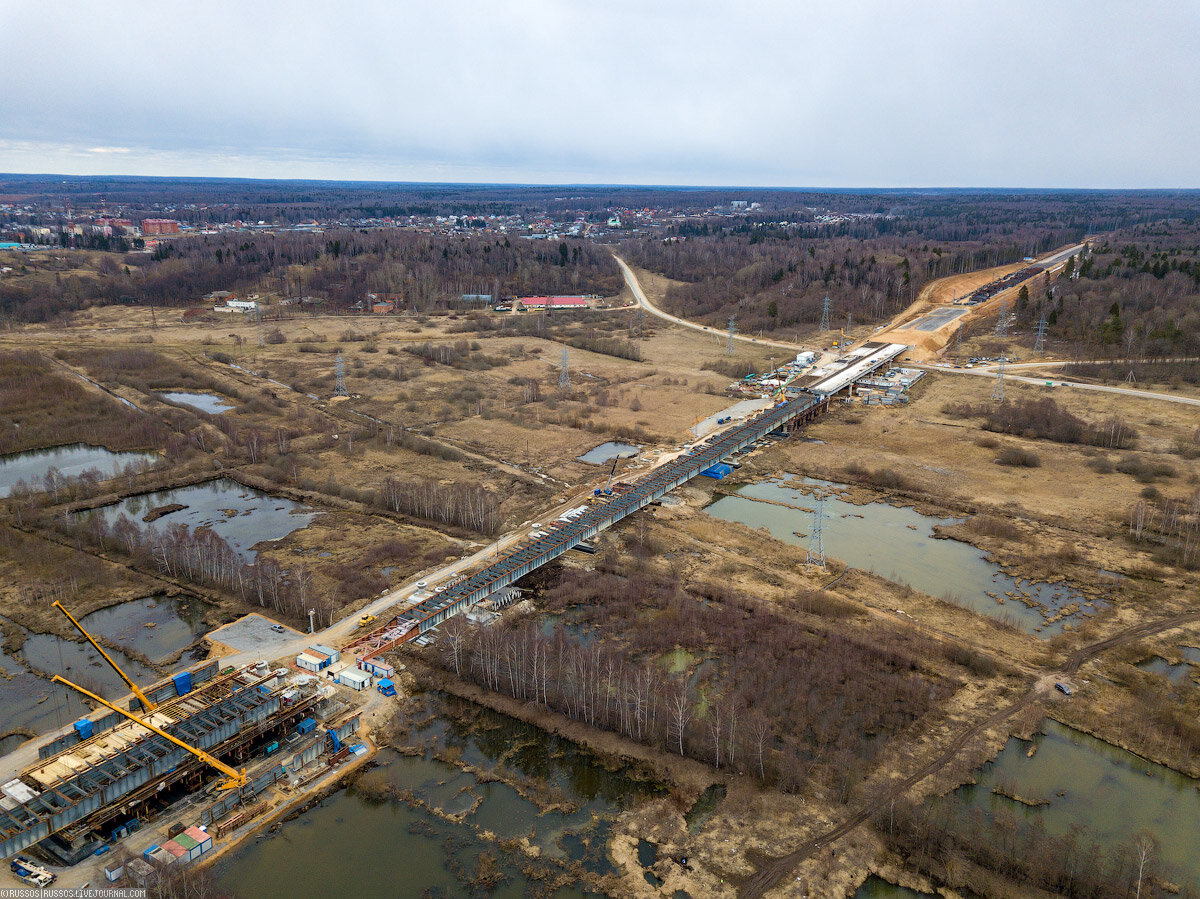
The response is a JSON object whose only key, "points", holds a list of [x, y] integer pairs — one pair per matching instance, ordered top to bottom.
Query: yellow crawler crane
{"points": [[142, 698], [233, 779]]}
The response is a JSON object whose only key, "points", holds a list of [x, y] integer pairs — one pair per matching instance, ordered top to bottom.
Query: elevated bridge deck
{"points": [[601, 514]]}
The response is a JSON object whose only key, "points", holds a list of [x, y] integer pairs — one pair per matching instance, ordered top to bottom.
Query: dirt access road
{"points": [[636, 287], [774, 871]]}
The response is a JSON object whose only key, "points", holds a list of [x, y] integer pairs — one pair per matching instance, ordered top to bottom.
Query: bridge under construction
{"points": [[421, 616]]}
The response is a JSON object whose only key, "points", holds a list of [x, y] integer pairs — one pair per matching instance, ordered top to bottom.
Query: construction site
{"points": [[133, 790]]}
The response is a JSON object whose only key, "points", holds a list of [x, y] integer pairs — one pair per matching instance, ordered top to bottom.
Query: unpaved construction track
{"points": [[773, 872]]}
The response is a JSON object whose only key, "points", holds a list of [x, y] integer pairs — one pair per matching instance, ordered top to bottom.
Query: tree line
{"points": [[733, 712]]}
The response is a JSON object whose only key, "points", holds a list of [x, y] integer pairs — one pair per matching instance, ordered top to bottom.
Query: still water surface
{"points": [[205, 402], [71, 461], [242, 515], [898, 544], [1108, 792], [348, 831]]}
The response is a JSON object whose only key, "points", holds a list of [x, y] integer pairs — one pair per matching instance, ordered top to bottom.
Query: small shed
{"points": [[355, 679], [114, 871], [140, 872]]}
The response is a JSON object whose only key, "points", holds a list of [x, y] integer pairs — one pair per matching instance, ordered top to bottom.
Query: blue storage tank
{"points": [[718, 471], [183, 683], [83, 727]]}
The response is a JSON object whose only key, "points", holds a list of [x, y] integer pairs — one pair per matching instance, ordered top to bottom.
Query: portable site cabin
{"points": [[322, 649], [310, 662], [375, 667], [355, 679], [386, 687], [202, 838], [114, 871]]}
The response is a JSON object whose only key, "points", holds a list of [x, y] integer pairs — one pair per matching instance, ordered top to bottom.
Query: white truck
{"points": [[30, 872]]}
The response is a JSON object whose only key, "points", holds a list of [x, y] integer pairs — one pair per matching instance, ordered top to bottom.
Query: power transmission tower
{"points": [[825, 316], [1002, 321], [732, 329], [1039, 345], [564, 379], [339, 388], [998, 390], [816, 538]]}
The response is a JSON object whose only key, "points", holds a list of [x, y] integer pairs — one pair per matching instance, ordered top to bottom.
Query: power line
{"points": [[1002, 320], [1039, 345], [339, 388], [816, 538]]}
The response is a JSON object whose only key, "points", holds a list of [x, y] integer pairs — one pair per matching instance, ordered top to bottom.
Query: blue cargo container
{"points": [[717, 471], [183, 683], [307, 726], [83, 728]]}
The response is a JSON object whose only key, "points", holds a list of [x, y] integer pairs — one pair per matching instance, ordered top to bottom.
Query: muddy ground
{"points": [[486, 425]]}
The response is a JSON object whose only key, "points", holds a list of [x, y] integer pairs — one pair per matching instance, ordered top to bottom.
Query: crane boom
{"points": [[142, 698], [233, 777]]}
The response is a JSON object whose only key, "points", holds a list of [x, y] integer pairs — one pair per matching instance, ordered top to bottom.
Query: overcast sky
{"points": [[848, 93]]}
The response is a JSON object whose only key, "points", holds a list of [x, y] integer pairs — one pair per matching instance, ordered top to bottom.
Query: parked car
{"points": [[278, 628], [1062, 688]]}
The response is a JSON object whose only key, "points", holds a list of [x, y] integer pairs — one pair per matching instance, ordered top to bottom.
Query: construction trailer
{"points": [[355, 678]]}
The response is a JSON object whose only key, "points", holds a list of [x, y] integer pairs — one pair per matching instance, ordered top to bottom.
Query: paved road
{"points": [[990, 372]]}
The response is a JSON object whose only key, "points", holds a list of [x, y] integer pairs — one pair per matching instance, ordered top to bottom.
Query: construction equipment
{"points": [[607, 490], [365, 620], [142, 698], [233, 779], [31, 872]]}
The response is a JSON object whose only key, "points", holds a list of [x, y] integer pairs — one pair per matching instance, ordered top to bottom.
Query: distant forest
{"points": [[769, 261]]}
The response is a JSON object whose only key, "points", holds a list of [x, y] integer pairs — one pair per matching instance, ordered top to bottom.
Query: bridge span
{"points": [[602, 512]]}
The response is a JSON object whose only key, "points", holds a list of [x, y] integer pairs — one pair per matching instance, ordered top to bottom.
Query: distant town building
{"points": [[155, 227]]}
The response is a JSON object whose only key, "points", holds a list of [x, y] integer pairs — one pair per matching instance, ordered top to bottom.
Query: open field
{"points": [[446, 402]]}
